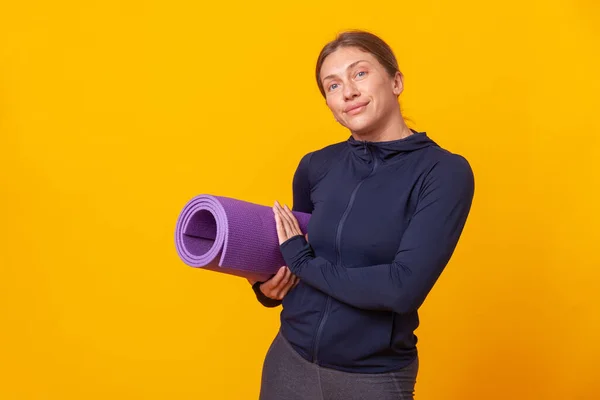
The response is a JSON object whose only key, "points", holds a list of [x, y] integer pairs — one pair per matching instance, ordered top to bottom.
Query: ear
{"points": [[398, 83]]}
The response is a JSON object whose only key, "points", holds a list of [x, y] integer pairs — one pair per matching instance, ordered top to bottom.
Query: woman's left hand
{"points": [[286, 222]]}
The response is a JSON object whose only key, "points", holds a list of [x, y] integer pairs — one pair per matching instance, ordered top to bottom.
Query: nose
{"points": [[351, 91]]}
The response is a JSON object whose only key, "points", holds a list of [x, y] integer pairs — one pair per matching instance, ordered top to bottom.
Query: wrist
{"points": [[296, 252]]}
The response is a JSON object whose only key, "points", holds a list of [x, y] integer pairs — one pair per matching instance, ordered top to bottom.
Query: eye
{"points": [[360, 74], [332, 86]]}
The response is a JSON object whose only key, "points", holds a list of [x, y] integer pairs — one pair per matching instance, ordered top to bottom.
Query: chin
{"points": [[360, 126]]}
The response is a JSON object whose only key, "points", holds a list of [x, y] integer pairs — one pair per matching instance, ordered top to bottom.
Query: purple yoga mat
{"points": [[230, 236]]}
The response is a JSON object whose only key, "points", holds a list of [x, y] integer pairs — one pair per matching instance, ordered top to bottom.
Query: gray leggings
{"points": [[288, 376]]}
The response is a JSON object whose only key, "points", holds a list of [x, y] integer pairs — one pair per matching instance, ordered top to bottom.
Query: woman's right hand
{"points": [[279, 285]]}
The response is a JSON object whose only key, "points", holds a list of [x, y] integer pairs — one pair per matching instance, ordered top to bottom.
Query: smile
{"points": [[356, 109]]}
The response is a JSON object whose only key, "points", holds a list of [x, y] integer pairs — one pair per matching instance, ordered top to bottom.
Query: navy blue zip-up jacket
{"points": [[386, 218]]}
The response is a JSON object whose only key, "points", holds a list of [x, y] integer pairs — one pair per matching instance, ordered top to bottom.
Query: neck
{"points": [[393, 129]]}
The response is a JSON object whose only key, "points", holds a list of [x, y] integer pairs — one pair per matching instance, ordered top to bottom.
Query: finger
{"points": [[278, 206], [279, 212], [283, 219], [294, 220], [288, 224], [288, 228], [281, 233], [286, 279], [276, 280], [295, 280], [284, 286], [289, 286]]}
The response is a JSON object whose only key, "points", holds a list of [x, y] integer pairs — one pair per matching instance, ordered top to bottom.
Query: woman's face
{"points": [[358, 90]]}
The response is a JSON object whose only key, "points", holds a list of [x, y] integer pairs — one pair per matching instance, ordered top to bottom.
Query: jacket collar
{"points": [[389, 150]]}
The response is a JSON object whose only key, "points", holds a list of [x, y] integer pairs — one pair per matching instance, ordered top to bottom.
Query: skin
{"points": [[351, 78], [362, 97]]}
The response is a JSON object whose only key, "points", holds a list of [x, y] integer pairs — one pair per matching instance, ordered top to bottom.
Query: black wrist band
{"points": [[264, 300]]}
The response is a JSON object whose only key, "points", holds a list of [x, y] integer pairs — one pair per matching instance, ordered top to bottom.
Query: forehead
{"points": [[337, 62]]}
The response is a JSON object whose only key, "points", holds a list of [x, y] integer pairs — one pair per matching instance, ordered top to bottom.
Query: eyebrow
{"points": [[349, 67]]}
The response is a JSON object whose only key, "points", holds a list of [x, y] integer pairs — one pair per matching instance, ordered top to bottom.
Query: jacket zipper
{"points": [[338, 240]]}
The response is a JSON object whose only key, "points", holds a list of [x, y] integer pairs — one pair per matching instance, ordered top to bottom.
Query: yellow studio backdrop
{"points": [[114, 114]]}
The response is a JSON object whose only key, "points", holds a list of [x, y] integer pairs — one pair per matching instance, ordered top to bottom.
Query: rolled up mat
{"points": [[230, 236]]}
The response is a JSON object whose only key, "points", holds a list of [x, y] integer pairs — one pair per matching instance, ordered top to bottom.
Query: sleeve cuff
{"points": [[296, 251]]}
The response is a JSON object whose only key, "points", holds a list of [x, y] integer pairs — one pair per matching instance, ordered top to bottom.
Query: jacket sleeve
{"points": [[301, 203], [425, 249]]}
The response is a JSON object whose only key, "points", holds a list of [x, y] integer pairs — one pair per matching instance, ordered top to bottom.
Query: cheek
{"points": [[329, 103], [334, 107]]}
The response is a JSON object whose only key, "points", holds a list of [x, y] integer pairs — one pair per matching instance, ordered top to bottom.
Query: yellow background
{"points": [[114, 114]]}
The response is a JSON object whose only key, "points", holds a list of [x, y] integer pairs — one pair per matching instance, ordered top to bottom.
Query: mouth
{"points": [[356, 108]]}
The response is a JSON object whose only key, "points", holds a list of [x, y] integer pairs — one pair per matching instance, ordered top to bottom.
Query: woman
{"points": [[388, 206]]}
